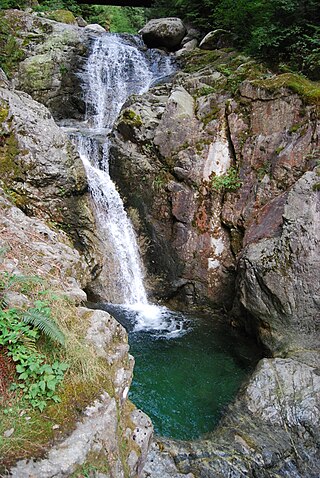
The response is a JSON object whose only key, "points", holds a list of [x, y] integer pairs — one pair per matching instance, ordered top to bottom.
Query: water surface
{"points": [[187, 369]]}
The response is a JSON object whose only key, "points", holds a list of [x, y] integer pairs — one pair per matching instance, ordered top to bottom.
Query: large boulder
{"points": [[164, 32], [217, 39]]}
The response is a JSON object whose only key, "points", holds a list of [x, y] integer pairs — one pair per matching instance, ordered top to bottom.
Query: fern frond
{"points": [[44, 324], [29, 343]]}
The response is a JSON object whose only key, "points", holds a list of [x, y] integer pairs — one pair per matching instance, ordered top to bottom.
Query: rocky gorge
{"points": [[219, 168]]}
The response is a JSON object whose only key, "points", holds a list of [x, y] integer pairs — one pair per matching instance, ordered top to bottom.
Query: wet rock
{"points": [[163, 32], [161, 465]]}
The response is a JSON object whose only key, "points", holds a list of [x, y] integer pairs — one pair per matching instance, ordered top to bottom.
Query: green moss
{"points": [[63, 16], [11, 52], [199, 59], [233, 66], [37, 72], [308, 90], [205, 91], [4, 113], [212, 115], [132, 118], [295, 127], [279, 149], [9, 150], [316, 187]]}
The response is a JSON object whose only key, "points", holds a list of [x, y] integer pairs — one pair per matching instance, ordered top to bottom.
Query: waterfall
{"points": [[116, 69]]}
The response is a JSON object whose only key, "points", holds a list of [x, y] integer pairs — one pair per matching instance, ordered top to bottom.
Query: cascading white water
{"points": [[115, 70]]}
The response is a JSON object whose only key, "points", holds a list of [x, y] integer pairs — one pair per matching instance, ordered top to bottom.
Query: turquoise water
{"points": [[187, 373]]}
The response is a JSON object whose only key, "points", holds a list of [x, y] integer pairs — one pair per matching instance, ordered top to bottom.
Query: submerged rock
{"points": [[271, 430]]}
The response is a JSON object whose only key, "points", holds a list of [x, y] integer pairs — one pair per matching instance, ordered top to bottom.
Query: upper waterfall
{"points": [[116, 68]]}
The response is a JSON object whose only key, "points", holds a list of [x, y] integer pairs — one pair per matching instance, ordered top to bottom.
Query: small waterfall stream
{"points": [[117, 68]]}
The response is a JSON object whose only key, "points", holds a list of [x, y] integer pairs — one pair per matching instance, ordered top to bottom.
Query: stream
{"points": [[188, 368]]}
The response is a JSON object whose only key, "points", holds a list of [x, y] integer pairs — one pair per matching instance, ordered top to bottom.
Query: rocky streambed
{"points": [[220, 172]]}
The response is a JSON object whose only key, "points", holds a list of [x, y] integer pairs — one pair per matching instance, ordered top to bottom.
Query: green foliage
{"points": [[116, 19], [277, 31], [132, 118], [229, 181], [40, 317], [19, 332], [37, 379]]}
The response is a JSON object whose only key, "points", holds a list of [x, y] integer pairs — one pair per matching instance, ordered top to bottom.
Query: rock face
{"points": [[163, 32], [52, 54], [211, 168], [50, 186], [230, 198], [181, 215], [49, 253], [278, 281]]}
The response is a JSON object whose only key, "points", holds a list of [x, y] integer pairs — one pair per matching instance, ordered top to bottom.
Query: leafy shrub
{"points": [[19, 332]]}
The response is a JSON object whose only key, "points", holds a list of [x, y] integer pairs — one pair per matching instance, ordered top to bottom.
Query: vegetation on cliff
{"points": [[277, 31]]}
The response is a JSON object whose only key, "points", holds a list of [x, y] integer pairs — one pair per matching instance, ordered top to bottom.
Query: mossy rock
{"points": [[62, 16], [37, 72], [306, 89], [132, 118]]}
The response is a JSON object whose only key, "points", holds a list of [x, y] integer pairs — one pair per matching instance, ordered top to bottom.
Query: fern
{"points": [[44, 324], [29, 343]]}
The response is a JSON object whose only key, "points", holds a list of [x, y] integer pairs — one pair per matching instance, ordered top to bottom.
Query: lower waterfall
{"points": [[116, 69]]}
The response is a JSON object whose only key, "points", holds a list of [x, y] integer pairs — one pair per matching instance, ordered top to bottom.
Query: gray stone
{"points": [[95, 28], [163, 32], [187, 47], [52, 54], [44, 173]]}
